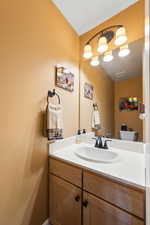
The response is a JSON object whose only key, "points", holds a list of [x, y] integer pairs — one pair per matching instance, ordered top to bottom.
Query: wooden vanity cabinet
{"points": [[79, 197]]}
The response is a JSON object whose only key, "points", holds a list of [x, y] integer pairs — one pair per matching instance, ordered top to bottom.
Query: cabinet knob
{"points": [[77, 198], [85, 203]]}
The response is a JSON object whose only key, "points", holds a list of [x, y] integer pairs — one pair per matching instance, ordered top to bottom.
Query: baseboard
{"points": [[46, 222]]}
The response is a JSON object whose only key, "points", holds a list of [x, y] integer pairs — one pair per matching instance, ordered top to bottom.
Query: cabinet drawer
{"points": [[68, 172], [129, 199]]}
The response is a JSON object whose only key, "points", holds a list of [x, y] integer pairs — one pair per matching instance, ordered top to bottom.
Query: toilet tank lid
{"points": [[129, 132]]}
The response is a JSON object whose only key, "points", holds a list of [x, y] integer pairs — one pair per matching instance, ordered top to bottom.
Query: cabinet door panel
{"points": [[65, 202], [99, 212]]}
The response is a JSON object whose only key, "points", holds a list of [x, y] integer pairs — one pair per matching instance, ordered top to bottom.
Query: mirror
{"points": [[114, 89]]}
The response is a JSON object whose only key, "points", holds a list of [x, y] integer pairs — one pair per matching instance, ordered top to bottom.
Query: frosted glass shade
{"points": [[121, 37], [102, 45], [124, 51], [87, 52], [108, 56], [95, 61]]}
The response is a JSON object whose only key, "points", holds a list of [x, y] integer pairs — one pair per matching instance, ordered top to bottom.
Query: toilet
{"points": [[128, 135]]}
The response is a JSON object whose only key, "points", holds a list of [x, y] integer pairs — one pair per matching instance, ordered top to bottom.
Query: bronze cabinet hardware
{"points": [[77, 198], [85, 203]]}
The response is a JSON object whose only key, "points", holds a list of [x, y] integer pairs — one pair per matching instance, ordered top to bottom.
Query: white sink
{"points": [[96, 154]]}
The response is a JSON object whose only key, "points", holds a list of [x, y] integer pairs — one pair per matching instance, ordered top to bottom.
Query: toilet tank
{"points": [[128, 135]]}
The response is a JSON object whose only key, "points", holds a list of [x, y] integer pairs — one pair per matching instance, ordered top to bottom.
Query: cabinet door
{"points": [[122, 196], [64, 202], [99, 212]]}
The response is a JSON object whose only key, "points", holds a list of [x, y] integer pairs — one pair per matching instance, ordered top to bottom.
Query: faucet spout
{"points": [[99, 143]]}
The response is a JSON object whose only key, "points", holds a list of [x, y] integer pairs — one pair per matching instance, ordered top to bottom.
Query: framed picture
{"points": [[64, 79], [88, 91], [128, 104]]}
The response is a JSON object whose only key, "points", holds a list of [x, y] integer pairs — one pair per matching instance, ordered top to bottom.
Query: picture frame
{"points": [[64, 79], [88, 91], [128, 104]]}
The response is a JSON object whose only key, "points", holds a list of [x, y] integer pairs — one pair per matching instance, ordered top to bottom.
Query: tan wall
{"points": [[34, 37], [131, 87], [103, 96]]}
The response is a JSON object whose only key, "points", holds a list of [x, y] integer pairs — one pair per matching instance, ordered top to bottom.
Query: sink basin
{"points": [[96, 154]]}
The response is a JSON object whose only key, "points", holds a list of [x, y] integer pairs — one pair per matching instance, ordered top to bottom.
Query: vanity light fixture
{"points": [[117, 32], [121, 37], [102, 45], [87, 51], [124, 51], [108, 56], [95, 61]]}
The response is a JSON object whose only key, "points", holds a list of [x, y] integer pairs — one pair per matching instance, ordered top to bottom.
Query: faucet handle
{"points": [[97, 142], [100, 144], [105, 144]]}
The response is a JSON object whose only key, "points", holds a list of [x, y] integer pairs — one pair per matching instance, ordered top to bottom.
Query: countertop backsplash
{"points": [[120, 144]]}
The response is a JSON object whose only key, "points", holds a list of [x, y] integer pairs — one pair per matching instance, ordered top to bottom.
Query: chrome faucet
{"points": [[99, 143]]}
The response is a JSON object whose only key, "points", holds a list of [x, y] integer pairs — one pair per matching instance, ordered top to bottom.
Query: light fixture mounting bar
{"points": [[106, 32]]}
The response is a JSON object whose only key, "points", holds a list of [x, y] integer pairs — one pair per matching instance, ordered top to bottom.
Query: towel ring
{"points": [[52, 94], [95, 106]]}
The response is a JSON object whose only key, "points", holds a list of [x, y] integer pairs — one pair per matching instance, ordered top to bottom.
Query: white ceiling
{"points": [[84, 15], [126, 67]]}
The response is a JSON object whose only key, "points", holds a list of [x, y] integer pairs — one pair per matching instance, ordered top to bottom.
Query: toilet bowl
{"points": [[128, 135]]}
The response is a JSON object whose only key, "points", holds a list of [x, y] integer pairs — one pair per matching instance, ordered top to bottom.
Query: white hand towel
{"points": [[59, 119], [54, 121], [96, 122]]}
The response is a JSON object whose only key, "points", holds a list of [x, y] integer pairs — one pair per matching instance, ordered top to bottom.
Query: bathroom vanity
{"points": [[88, 195]]}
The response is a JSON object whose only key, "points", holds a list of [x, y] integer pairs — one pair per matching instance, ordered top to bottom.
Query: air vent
{"points": [[120, 74]]}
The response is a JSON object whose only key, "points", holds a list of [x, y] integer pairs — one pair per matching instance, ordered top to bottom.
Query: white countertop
{"points": [[129, 168]]}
